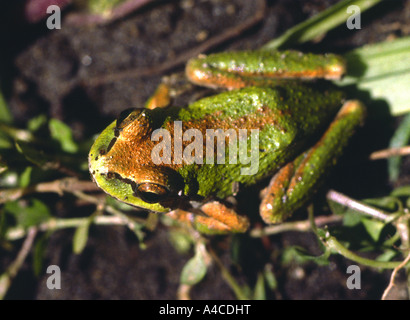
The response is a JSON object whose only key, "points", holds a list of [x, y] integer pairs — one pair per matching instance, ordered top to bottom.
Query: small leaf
{"points": [[102, 7], [381, 70], [5, 114], [37, 122], [62, 133], [5, 141], [31, 154], [3, 165], [25, 177], [403, 191], [385, 203], [28, 213], [352, 218], [373, 228], [81, 236], [181, 241], [39, 253], [300, 255], [387, 255], [194, 270], [270, 277], [5, 282], [259, 291]]}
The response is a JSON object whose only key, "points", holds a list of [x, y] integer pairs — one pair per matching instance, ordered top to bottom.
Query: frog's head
{"points": [[120, 164]]}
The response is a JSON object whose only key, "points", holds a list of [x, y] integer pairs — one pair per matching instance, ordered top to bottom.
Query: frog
{"points": [[287, 121]]}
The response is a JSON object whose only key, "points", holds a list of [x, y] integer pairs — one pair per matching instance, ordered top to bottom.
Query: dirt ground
{"points": [[86, 75]]}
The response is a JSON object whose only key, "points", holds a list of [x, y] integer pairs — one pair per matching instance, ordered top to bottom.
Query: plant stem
{"points": [[301, 226], [331, 243], [228, 278]]}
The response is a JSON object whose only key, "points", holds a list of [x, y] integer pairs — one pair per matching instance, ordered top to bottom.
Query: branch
{"points": [[388, 153], [358, 206], [7, 277]]}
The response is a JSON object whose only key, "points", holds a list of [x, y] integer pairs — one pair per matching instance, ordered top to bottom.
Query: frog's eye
{"points": [[126, 117], [151, 192]]}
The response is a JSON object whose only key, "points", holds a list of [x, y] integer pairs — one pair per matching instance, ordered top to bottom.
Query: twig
{"points": [[182, 58], [388, 153], [57, 186], [359, 206], [55, 224], [294, 226], [13, 269], [393, 276]]}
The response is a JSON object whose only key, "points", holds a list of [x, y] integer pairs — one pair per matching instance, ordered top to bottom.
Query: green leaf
{"points": [[101, 7], [319, 24], [382, 70], [5, 114], [37, 122], [62, 133], [400, 138], [5, 141], [31, 154], [3, 165], [25, 177], [403, 191], [385, 203], [28, 213], [352, 218], [3, 224], [373, 228], [81, 235], [182, 242], [39, 252], [387, 255], [300, 256], [194, 270], [270, 277], [5, 282], [259, 291]]}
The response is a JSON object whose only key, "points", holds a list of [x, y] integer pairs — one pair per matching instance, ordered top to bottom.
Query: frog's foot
{"points": [[160, 99], [294, 185], [215, 218]]}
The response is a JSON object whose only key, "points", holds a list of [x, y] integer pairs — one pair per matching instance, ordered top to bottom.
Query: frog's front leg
{"points": [[293, 186], [213, 218]]}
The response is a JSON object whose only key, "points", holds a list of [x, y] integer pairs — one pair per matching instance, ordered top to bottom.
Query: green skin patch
{"points": [[288, 117]]}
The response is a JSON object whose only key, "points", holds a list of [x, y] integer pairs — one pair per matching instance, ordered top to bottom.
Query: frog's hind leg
{"points": [[293, 186], [215, 218]]}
